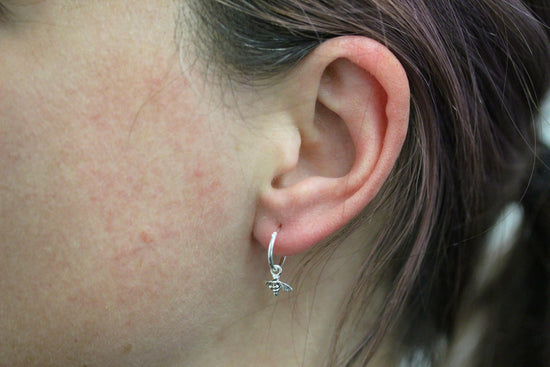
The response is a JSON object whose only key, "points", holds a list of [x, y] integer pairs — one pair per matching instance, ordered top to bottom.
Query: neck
{"points": [[292, 329]]}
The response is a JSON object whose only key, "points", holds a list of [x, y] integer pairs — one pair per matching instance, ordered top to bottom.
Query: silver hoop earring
{"points": [[275, 284]]}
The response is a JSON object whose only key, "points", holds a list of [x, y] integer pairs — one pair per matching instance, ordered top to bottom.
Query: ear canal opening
{"points": [[334, 147]]}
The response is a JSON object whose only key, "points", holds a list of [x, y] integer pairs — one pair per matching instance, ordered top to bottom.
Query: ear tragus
{"points": [[326, 149]]}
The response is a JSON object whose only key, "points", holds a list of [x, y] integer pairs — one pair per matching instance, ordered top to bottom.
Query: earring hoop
{"points": [[276, 269]]}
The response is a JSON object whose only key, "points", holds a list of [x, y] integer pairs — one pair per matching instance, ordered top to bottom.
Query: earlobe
{"points": [[349, 142]]}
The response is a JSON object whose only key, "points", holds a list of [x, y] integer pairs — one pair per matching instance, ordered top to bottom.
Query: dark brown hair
{"points": [[478, 70]]}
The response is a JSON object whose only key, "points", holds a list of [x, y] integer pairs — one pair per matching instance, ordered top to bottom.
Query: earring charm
{"points": [[275, 284]]}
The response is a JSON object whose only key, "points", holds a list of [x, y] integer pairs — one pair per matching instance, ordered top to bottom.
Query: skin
{"points": [[131, 189], [114, 190]]}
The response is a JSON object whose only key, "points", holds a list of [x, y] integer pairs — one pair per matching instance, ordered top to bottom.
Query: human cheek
{"points": [[111, 194], [103, 228]]}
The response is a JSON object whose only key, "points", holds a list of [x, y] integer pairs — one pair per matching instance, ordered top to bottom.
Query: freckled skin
{"points": [[115, 195]]}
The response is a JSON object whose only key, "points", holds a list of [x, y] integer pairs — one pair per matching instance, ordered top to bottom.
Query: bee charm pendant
{"points": [[275, 284]]}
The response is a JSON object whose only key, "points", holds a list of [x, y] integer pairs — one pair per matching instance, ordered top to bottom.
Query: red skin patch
{"points": [[146, 237]]}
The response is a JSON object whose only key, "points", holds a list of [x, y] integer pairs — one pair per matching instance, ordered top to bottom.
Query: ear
{"points": [[353, 119]]}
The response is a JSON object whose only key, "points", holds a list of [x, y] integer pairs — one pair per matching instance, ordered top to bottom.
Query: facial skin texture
{"points": [[120, 176], [137, 190]]}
